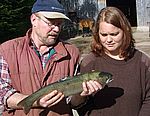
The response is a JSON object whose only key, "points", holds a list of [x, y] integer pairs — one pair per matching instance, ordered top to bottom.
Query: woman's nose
{"points": [[109, 39]]}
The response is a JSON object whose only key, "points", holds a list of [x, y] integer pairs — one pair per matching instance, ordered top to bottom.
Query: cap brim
{"points": [[54, 15]]}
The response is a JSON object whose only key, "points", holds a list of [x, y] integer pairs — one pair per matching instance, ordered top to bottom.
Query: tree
{"points": [[14, 18]]}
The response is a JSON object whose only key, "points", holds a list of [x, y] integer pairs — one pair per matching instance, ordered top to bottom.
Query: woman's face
{"points": [[111, 38]]}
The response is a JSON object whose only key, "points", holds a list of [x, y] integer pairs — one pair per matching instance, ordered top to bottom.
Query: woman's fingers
{"points": [[90, 87]]}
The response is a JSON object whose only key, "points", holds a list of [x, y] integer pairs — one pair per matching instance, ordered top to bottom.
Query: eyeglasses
{"points": [[50, 24]]}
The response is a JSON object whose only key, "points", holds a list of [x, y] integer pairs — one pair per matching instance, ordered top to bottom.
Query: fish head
{"points": [[104, 77]]}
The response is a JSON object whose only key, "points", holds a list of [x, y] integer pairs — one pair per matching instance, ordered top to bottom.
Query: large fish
{"points": [[68, 87]]}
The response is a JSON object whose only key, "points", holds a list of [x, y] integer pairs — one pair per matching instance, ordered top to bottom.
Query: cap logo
{"points": [[55, 8]]}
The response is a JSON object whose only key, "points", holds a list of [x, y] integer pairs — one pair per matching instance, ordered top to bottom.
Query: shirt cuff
{"points": [[7, 95]]}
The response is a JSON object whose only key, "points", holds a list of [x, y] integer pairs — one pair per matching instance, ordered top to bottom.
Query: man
{"points": [[31, 62]]}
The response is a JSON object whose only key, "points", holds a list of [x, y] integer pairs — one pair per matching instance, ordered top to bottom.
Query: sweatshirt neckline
{"points": [[119, 62]]}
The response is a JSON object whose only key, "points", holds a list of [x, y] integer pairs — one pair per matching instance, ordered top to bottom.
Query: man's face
{"points": [[46, 30]]}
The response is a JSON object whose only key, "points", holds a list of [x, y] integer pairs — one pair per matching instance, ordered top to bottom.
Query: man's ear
{"points": [[33, 19]]}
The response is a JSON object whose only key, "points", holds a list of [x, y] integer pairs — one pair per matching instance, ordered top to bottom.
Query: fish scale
{"points": [[69, 86]]}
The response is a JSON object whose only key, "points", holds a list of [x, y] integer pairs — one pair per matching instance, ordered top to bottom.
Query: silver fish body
{"points": [[69, 86]]}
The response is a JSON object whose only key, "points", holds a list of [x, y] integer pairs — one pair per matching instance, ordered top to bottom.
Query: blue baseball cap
{"points": [[50, 9]]}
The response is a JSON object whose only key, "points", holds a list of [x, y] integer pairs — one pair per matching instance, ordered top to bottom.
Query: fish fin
{"points": [[26, 106], [26, 110]]}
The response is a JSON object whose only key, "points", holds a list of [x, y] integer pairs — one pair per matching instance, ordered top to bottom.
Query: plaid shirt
{"points": [[45, 56], [6, 89]]}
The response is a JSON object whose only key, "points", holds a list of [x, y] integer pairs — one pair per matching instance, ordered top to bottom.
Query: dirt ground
{"points": [[141, 37]]}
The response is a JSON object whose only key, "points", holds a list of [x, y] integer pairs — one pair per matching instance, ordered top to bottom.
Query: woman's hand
{"points": [[90, 87]]}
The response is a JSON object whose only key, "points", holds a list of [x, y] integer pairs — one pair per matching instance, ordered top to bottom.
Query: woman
{"points": [[113, 51]]}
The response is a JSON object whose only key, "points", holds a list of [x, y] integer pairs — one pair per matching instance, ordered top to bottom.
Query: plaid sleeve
{"points": [[6, 88]]}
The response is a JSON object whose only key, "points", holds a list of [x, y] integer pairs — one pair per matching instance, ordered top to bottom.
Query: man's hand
{"points": [[51, 99]]}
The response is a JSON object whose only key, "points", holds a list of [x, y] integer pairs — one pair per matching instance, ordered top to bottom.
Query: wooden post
{"points": [[148, 23], [149, 27]]}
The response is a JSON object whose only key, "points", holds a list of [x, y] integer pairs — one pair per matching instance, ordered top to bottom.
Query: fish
{"points": [[68, 86]]}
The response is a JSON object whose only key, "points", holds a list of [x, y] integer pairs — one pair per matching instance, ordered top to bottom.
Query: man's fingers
{"points": [[50, 99], [55, 99]]}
